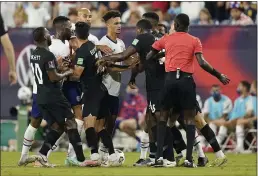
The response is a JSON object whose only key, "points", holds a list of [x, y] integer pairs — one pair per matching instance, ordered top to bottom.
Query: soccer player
{"points": [[162, 29], [8, 50], [154, 72], [179, 88], [95, 94], [50, 99]]}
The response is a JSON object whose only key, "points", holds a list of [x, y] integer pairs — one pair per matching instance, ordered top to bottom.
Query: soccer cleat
{"points": [[95, 157], [28, 159], [180, 160], [44, 161], [202, 161], [219, 162], [85, 163], [138, 163], [158, 163], [168, 163], [189, 164]]}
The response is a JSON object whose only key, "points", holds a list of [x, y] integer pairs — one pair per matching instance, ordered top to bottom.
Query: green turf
{"points": [[238, 165]]}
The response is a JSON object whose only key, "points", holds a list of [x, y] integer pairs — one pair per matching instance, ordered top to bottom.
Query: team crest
{"points": [[135, 41], [80, 61]]}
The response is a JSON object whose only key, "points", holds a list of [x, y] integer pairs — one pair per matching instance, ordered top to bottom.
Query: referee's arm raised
{"points": [[206, 66]]}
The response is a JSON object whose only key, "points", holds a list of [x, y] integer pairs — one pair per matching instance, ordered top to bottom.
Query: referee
{"points": [[9, 51], [179, 88]]}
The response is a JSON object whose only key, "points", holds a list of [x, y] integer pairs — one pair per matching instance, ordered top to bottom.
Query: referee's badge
{"points": [[135, 41], [80, 61]]}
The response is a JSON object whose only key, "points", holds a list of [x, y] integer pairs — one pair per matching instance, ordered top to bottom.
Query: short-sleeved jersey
{"points": [[3, 29], [58, 48], [181, 48], [86, 57], [42, 61], [154, 71], [112, 81], [216, 109]]}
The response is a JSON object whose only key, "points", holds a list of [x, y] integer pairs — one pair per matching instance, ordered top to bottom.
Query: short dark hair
{"points": [[73, 11], [111, 14], [153, 16], [60, 20], [182, 21], [144, 24], [163, 25], [82, 30], [38, 34], [246, 84], [215, 85]]}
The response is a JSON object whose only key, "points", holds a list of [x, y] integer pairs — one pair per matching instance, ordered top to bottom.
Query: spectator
{"points": [[85, 4], [113, 5], [162, 5], [133, 7], [62, 8], [174, 9], [192, 9], [250, 9], [7, 12], [37, 15], [72, 15], [237, 15], [20, 17], [161, 17], [204, 18], [133, 19], [96, 20], [162, 29], [133, 108], [217, 108]]}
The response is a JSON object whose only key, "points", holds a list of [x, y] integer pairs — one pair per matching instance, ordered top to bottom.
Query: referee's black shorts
{"points": [[180, 92]]}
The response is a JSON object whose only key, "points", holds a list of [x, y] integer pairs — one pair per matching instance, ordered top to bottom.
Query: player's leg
{"points": [[30, 132], [211, 138]]}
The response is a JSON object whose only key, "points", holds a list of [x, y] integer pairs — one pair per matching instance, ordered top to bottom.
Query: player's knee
{"points": [[78, 111], [199, 121], [36, 122], [90, 122], [71, 124], [99, 125], [58, 128]]}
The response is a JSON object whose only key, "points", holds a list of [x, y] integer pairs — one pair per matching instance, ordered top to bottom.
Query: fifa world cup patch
{"points": [[135, 41], [80, 61], [51, 64]]}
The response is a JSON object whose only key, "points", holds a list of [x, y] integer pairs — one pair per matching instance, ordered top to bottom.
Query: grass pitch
{"points": [[238, 165]]}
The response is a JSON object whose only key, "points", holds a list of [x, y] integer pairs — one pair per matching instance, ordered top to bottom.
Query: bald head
{"points": [[84, 15]]}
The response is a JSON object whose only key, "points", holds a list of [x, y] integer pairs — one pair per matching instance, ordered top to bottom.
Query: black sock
{"points": [[111, 125], [154, 132], [161, 133], [190, 135], [210, 137], [92, 139], [50, 140], [107, 140], [76, 142], [178, 143], [153, 150], [168, 152]]}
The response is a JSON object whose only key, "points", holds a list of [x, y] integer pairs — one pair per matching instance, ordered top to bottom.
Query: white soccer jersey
{"points": [[91, 37], [117, 47]]}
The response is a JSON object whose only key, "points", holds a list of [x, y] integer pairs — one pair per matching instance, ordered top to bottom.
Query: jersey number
{"points": [[37, 72], [152, 107]]}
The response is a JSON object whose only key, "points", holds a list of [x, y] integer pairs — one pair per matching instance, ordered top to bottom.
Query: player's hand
{"points": [[105, 49], [59, 60], [64, 66], [69, 72], [12, 77], [224, 79], [132, 85]]}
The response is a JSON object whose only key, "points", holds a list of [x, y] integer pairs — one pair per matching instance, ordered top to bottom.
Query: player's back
{"points": [[87, 56], [41, 61]]}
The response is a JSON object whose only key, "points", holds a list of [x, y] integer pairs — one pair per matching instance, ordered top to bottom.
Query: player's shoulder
{"points": [[93, 38], [120, 41], [225, 97]]}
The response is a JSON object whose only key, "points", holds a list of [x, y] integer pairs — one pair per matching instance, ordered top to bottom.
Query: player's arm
{"points": [[156, 48], [121, 56], [80, 63], [205, 65], [51, 67], [118, 68], [135, 71]]}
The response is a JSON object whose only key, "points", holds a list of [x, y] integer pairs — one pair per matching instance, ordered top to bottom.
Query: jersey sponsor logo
{"points": [[135, 41], [80, 61], [51, 64], [25, 75]]}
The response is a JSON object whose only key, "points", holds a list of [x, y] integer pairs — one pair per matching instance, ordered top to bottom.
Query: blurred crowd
{"points": [[35, 14]]}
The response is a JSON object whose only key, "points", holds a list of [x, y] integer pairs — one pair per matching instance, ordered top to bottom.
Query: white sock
{"points": [[213, 127], [222, 134], [240, 137], [28, 139], [56, 144], [144, 145], [198, 145], [71, 153], [219, 154]]}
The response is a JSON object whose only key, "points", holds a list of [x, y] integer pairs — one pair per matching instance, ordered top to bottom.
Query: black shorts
{"points": [[179, 93], [153, 98], [95, 102], [113, 104], [177, 110], [56, 112]]}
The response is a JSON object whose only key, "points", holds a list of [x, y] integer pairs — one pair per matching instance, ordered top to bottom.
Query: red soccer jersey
{"points": [[180, 48]]}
